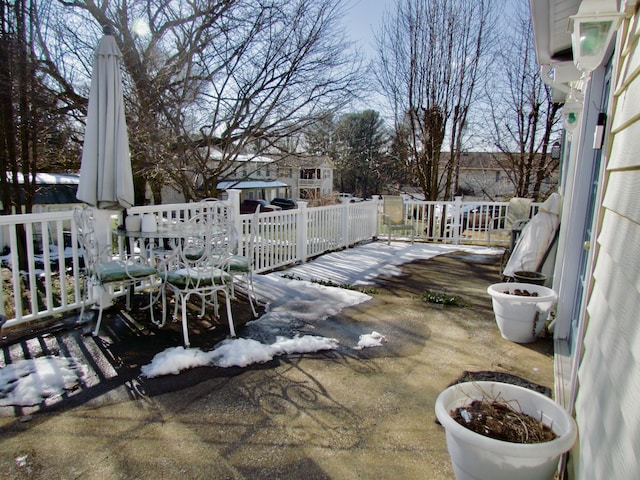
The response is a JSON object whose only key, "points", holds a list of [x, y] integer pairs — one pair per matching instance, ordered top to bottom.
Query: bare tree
{"points": [[430, 56], [237, 76], [18, 112], [524, 118], [31, 129], [34, 130], [319, 137]]}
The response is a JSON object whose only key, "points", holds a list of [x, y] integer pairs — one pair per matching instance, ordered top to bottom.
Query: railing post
{"points": [[377, 200], [234, 203], [345, 224], [457, 226], [302, 230]]}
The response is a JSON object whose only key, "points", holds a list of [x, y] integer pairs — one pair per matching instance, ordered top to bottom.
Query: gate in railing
{"points": [[48, 283]]}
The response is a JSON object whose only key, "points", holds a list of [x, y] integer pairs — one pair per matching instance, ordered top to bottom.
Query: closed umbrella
{"points": [[106, 179]]}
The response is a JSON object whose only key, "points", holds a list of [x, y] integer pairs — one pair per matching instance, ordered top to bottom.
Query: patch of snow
{"points": [[368, 340], [29, 382]]}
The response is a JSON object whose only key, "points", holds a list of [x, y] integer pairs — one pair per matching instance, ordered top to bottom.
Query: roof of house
{"points": [[217, 155], [303, 161], [42, 178], [249, 184]]}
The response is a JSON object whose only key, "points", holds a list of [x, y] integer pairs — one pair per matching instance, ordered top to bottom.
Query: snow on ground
{"points": [[292, 299], [29, 382]]}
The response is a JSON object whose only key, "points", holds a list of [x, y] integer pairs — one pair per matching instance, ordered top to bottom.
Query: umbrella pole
{"points": [[103, 233]]}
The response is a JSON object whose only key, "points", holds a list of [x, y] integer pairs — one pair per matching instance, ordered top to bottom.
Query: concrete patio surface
{"points": [[338, 414]]}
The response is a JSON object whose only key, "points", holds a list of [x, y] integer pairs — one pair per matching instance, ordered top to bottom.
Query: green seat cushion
{"points": [[193, 254], [238, 263], [108, 272], [189, 277]]}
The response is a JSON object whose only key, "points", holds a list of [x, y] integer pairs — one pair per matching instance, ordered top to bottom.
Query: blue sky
{"points": [[363, 16], [361, 20]]}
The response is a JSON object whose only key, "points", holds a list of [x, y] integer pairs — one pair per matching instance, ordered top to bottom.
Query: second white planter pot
{"points": [[521, 319], [476, 457]]}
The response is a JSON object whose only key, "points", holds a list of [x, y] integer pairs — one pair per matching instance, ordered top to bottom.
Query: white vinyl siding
{"points": [[609, 375]]}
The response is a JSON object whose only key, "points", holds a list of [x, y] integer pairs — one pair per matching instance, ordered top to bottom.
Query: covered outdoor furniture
{"points": [[394, 218], [511, 224], [537, 238], [199, 266], [103, 269]]}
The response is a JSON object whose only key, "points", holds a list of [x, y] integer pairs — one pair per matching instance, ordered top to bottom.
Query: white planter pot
{"points": [[133, 223], [149, 223], [521, 319], [476, 457]]}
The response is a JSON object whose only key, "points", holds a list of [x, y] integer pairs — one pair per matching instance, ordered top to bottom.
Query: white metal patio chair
{"points": [[394, 218], [241, 263], [199, 266], [104, 270]]}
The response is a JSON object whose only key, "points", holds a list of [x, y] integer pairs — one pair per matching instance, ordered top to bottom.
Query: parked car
{"points": [[348, 198], [285, 203], [249, 205], [475, 217]]}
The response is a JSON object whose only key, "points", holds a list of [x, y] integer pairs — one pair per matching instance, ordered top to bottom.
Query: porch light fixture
{"points": [[591, 31], [572, 110]]}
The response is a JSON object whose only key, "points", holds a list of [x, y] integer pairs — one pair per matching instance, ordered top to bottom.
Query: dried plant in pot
{"points": [[521, 309], [480, 457]]}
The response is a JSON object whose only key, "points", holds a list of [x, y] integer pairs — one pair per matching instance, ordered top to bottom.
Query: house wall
{"points": [[291, 176], [482, 178], [483, 184], [326, 187], [606, 407]]}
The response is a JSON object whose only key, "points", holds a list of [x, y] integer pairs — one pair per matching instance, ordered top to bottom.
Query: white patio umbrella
{"points": [[106, 179]]}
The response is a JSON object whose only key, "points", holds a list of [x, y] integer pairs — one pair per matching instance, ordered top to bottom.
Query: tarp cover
{"points": [[536, 238]]}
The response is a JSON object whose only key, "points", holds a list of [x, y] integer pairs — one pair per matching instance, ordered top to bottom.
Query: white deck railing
{"points": [[48, 283]]}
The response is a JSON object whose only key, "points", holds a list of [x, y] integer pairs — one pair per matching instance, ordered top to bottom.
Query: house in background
{"points": [[270, 176], [482, 176], [256, 177], [310, 177], [53, 191], [597, 327]]}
